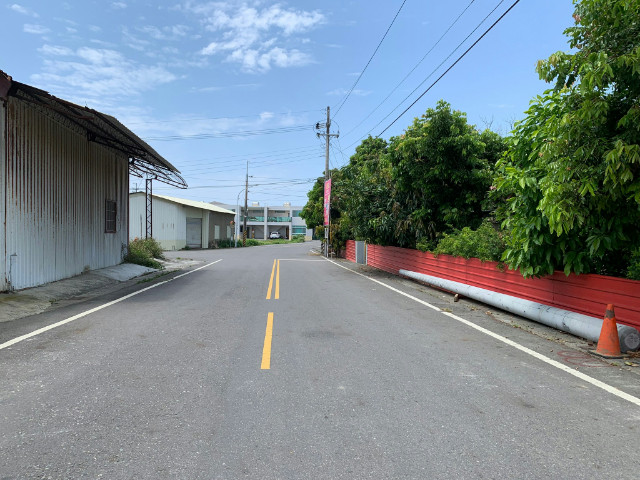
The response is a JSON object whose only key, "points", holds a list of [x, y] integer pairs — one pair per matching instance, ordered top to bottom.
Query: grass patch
{"points": [[145, 252]]}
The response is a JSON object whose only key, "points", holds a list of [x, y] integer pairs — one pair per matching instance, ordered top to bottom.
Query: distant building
{"points": [[64, 178], [262, 221], [178, 223]]}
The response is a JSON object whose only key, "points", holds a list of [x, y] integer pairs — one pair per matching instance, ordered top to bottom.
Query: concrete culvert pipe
{"points": [[575, 323]]}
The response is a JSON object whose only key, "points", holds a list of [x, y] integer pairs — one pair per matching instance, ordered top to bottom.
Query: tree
{"points": [[442, 172], [571, 178], [369, 193], [313, 211]]}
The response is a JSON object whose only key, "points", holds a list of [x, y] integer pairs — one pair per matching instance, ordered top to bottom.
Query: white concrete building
{"points": [[64, 177], [263, 220], [178, 223]]}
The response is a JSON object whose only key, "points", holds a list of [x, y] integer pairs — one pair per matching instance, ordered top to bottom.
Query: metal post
{"points": [[246, 194], [149, 195], [237, 226]]}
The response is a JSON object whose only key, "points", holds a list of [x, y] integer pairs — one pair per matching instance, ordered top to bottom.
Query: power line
{"points": [[373, 55], [452, 65], [414, 68], [432, 72], [176, 120], [244, 133], [228, 159], [296, 159], [269, 161]]}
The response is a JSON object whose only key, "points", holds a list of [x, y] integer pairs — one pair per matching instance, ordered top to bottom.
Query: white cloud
{"points": [[118, 5], [22, 10], [35, 29], [173, 32], [252, 36], [55, 50], [97, 74]]}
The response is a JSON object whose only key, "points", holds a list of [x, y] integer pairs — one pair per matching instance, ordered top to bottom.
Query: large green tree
{"points": [[442, 170], [571, 180], [369, 193]]}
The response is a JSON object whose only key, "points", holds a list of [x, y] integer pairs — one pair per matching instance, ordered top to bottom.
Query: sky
{"points": [[214, 85]]}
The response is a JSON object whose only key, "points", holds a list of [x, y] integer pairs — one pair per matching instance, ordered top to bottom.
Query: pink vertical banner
{"points": [[327, 201]]}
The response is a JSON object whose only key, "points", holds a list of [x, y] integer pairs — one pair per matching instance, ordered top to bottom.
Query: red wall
{"points": [[350, 251], [586, 294]]}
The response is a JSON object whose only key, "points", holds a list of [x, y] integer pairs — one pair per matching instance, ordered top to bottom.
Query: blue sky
{"points": [[212, 85]]}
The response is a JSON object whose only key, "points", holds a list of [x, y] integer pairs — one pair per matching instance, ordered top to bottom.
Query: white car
{"points": [[273, 235]]}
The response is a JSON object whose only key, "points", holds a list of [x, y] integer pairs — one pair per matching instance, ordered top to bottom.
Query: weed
{"points": [[144, 252]]}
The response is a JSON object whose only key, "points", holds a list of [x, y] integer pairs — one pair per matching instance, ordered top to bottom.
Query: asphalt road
{"points": [[190, 379]]}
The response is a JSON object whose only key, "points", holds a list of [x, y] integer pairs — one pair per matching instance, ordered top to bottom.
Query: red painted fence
{"points": [[350, 251], [586, 294]]}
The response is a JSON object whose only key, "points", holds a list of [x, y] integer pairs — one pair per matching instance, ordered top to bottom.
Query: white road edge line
{"points": [[93, 310], [593, 381]]}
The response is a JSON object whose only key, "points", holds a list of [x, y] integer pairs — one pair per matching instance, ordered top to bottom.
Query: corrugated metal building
{"points": [[64, 172], [178, 223]]}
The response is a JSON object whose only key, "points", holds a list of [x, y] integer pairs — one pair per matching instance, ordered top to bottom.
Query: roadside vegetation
{"points": [[560, 192], [252, 242], [145, 252]]}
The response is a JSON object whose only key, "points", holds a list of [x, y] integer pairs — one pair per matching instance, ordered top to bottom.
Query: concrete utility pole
{"points": [[327, 173], [246, 194]]}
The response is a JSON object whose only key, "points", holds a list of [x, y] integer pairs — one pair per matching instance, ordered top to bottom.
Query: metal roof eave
{"points": [[102, 129]]}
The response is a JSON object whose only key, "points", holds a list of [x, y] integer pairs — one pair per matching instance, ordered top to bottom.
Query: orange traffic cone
{"points": [[608, 343]]}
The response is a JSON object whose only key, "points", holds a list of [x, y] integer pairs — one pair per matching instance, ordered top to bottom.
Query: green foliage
{"points": [[441, 169], [570, 184], [368, 203], [313, 212], [298, 239], [226, 243], [485, 243], [145, 251], [633, 271]]}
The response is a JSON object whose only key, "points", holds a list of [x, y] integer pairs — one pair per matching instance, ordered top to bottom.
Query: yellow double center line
{"points": [[275, 272], [266, 349]]}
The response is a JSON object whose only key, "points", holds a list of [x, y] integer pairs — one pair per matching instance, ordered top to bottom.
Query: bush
{"points": [[297, 239], [226, 243], [485, 243], [145, 251], [633, 272]]}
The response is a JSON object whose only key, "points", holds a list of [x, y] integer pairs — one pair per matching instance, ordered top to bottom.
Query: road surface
{"points": [[274, 363]]}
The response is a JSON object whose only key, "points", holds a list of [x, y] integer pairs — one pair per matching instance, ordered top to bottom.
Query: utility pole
{"points": [[327, 173], [246, 194]]}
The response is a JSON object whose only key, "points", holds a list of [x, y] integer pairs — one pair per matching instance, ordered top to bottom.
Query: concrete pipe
{"points": [[575, 323]]}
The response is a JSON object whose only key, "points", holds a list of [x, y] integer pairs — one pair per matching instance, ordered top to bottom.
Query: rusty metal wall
{"points": [[57, 183]]}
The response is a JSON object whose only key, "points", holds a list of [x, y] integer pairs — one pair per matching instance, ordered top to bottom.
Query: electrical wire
{"points": [[371, 58], [452, 65], [414, 68], [432, 72], [176, 120], [245, 133]]}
